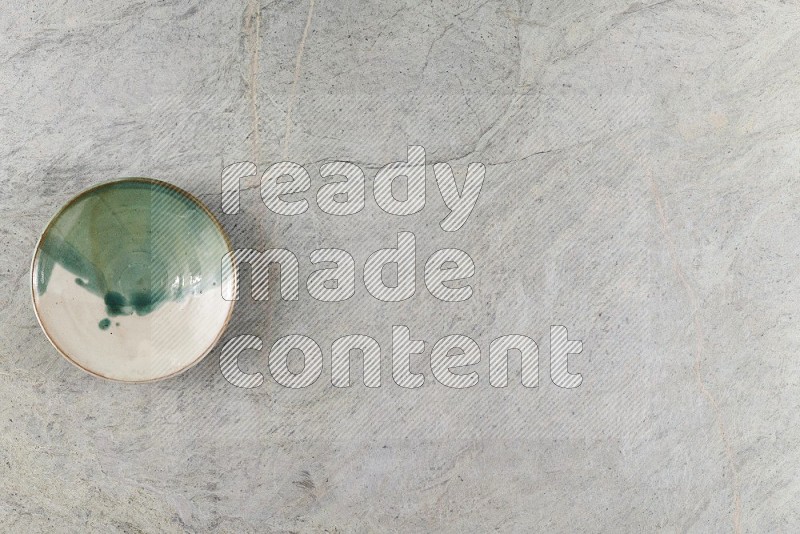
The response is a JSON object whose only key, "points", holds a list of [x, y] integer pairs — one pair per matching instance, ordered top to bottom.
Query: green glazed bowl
{"points": [[126, 280]]}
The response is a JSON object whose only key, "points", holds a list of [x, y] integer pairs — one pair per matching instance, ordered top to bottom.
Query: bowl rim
{"points": [[36, 251]]}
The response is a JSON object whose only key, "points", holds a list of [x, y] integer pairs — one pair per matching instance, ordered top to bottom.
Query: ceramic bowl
{"points": [[126, 280]]}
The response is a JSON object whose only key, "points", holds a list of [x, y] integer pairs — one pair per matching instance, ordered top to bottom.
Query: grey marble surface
{"points": [[642, 180]]}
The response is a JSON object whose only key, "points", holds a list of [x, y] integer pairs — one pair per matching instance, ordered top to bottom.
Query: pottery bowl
{"points": [[126, 280]]}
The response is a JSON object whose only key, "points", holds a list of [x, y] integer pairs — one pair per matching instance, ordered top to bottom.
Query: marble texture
{"points": [[642, 164]]}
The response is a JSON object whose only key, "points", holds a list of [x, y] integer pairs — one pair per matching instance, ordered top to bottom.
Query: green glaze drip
{"points": [[135, 244], [116, 304], [104, 324]]}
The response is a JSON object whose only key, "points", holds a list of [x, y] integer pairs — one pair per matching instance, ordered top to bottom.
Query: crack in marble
{"points": [[252, 26], [296, 79], [699, 350]]}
